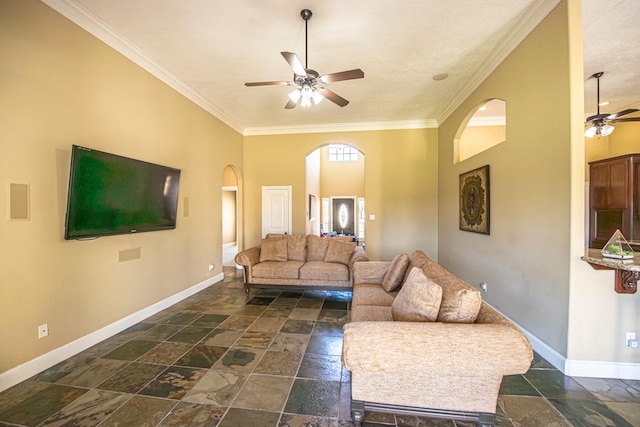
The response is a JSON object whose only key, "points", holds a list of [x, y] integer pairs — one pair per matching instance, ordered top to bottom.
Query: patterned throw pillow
{"points": [[297, 247], [316, 247], [273, 250], [339, 251], [394, 276], [418, 300], [460, 302]]}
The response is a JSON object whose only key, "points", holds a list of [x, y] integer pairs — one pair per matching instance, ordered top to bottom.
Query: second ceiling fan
{"points": [[310, 84], [600, 123]]}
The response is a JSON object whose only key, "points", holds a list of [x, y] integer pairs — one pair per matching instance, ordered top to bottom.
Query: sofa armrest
{"points": [[358, 255], [248, 257], [370, 272], [473, 350]]}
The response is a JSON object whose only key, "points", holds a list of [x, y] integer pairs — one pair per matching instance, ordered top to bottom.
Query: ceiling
{"points": [[208, 49]]}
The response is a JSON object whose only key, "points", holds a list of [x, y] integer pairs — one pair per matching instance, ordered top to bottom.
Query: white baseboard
{"points": [[40, 363], [581, 368], [584, 368]]}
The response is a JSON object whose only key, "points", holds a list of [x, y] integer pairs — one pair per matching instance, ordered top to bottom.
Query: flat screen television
{"points": [[111, 194]]}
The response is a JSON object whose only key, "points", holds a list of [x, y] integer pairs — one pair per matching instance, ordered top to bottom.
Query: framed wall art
{"points": [[474, 200], [312, 207]]}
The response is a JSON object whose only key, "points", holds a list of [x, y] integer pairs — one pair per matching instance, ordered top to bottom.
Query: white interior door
{"points": [[276, 210]]}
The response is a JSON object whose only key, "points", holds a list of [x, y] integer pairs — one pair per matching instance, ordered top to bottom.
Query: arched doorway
{"points": [[335, 188], [230, 216]]}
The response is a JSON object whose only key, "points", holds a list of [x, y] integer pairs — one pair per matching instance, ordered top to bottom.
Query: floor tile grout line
{"points": [[226, 290]]}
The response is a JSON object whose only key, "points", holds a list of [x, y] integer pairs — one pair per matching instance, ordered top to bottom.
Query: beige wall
{"points": [[61, 86], [476, 139], [625, 139], [229, 178], [342, 178], [400, 184], [312, 185], [524, 260], [531, 260]]}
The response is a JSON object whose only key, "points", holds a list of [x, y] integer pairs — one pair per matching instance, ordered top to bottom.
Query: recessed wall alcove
{"points": [[484, 127]]}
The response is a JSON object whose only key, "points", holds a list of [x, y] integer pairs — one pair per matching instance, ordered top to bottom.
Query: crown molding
{"points": [[536, 13], [86, 20], [340, 127]]}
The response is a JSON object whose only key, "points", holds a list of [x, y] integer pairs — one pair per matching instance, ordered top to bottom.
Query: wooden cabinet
{"points": [[614, 199]]}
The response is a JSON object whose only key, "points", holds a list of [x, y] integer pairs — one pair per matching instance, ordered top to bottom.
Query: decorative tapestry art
{"points": [[474, 200]]}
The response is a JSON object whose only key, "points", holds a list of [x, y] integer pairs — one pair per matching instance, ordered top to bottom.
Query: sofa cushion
{"points": [[275, 236], [297, 247], [316, 247], [273, 250], [339, 251], [416, 259], [277, 269], [320, 270], [395, 275], [371, 294], [418, 300], [460, 301], [371, 313]]}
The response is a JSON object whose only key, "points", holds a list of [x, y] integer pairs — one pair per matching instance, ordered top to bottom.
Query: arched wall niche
{"points": [[484, 127]]}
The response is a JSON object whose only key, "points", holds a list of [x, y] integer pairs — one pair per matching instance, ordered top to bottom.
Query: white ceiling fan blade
{"points": [[295, 63], [343, 75], [332, 96]]}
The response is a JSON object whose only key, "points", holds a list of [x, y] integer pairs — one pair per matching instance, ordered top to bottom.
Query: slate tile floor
{"points": [[216, 359]]}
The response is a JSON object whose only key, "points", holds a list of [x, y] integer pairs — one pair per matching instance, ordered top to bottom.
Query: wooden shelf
{"points": [[627, 271]]}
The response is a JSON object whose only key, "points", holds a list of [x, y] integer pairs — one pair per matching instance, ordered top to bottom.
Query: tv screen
{"points": [[111, 194]]}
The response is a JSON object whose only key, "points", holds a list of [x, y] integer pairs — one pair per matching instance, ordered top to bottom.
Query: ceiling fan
{"points": [[310, 85], [600, 123]]}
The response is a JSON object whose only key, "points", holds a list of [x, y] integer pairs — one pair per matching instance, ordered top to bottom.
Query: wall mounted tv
{"points": [[111, 194]]}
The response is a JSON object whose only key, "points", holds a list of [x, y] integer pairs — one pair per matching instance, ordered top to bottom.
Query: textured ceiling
{"points": [[207, 49]]}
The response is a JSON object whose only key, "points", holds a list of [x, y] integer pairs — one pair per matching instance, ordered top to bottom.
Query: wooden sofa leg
{"points": [[357, 412]]}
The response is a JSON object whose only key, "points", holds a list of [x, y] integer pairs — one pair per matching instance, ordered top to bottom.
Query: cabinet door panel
{"points": [[618, 185], [599, 186]]}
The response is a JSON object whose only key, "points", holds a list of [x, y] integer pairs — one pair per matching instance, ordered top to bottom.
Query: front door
{"points": [[276, 210], [343, 216]]}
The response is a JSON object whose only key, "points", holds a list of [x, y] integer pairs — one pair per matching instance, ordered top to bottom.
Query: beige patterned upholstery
{"points": [[273, 250], [338, 251], [299, 261], [396, 273], [418, 300], [435, 369]]}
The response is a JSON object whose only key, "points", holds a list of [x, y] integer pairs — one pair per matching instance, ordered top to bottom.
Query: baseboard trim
{"points": [[548, 353], [580, 368], [583, 368], [27, 370]]}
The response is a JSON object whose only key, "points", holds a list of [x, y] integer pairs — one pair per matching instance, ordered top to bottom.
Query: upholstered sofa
{"points": [[296, 261], [421, 341]]}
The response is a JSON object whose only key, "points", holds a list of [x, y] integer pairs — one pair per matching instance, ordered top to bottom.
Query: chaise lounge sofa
{"points": [[296, 261], [421, 341]]}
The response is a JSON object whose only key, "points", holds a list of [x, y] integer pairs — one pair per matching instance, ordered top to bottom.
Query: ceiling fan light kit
{"points": [[310, 85], [600, 124]]}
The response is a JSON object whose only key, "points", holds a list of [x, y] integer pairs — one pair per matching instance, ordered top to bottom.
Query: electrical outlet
{"points": [[211, 266], [484, 287], [43, 331], [630, 339]]}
